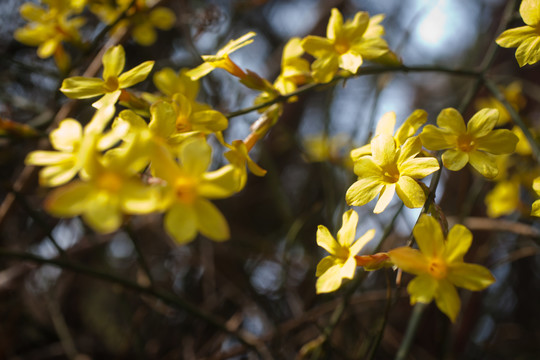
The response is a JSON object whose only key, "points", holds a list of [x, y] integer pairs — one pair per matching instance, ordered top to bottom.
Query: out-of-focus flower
{"points": [[512, 93]]}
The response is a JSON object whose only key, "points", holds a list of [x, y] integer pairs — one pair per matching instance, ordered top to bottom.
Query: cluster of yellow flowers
{"points": [[56, 23], [155, 157]]}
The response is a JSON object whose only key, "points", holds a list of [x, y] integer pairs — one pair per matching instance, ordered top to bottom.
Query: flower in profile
{"points": [[49, 28], [525, 38], [345, 46], [114, 59], [221, 59], [294, 70], [169, 83], [386, 125], [474, 143], [238, 156], [388, 170], [189, 186], [341, 263], [439, 266]]}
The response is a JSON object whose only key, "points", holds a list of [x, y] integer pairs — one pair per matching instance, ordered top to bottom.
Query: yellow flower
{"points": [[145, 21], [48, 29], [525, 38], [345, 46], [221, 59], [294, 70], [114, 80], [169, 83], [512, 94], [192, 116], [387, 124], [472, 144], [74, 146], [321, 147], [523, 147], [238, 157], [389, 170], [189, 186], [109, 188], [503, 199], [536, 205], [341, 263], [439, 266]]}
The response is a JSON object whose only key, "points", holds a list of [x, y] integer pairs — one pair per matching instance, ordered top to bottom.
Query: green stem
{"points": [[410, 333]]}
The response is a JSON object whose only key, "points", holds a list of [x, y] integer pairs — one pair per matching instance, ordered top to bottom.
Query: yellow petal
{"points": [[530, 12], [162, 18], [335, 23], [144, 34], [514, 37], [236, 44], [317, 46], [529, 51], [113, 60], [350, 61], [325, 68], [200, 71], [135, 75], [79, 87], [163, 119], [450, 119], [209, 121], [482, 122], [386, 124], [410, 126], [67, 136], [434, 138], [498, 142], [383, 149], [409, 149], [195, 156], [41, 157], [455, 160], [484, 163], [366, 167], [418, 168], [58, 174], [220, 183], [363, 191], [410, 192], [387, 194], [139, 198], [69, 200], [535, 211], [102, 212], [210, 221], [181, 223], [347, 232], [429, 236], [327, 241], [361, 242], [458, 243], [409, 260], [325, 264], [348, 269], [470, 276], [330, 280], [422, 289], [447, 299]]}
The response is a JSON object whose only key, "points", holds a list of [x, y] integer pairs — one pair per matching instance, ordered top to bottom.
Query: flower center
{"points": [[341, 46], [111, 84], [466, 143], [391, 173], [110, 182], [186, 190], [343, 253], [437, 269]]}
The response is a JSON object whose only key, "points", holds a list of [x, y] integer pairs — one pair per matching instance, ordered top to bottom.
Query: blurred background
{"points": [[262, 281]]}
